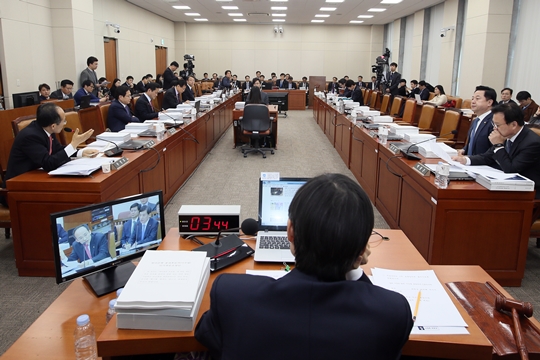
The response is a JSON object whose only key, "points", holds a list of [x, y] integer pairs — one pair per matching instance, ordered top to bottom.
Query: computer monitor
{"points": [[25, 99], [281, 99], [115, 233]]}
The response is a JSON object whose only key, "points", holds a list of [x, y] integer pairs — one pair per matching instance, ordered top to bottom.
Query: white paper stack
{"points": [[239, 105], [184, 106], [370, 113], [175, 115], [382, 119], [136, 128], [404, 130], [416, 137], [117, 138], [427, 149], [81, 166], [510, 182], [164, 292]]}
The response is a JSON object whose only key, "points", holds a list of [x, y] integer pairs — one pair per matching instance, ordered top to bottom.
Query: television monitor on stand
{"points": [[25, 99], [281, 99], [99, 241]]}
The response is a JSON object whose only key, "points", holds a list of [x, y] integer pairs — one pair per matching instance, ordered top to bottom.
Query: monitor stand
{"points": [[110, 279]]}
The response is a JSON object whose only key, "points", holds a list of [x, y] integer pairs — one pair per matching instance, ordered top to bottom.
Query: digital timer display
{"points": [[207, 224]]}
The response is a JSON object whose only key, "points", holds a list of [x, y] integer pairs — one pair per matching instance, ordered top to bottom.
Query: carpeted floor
{"points": [[224, 177]]}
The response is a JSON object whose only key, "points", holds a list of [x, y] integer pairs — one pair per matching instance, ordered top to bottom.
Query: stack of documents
{"points": [[239, 105], [382, 119], [136, 128], [404, 130], [117, 138], [427, 149], [81, 166], [505, 182], [164, 292], [436, 314]]}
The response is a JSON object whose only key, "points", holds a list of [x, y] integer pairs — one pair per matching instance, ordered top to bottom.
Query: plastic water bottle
{"points": [[383, 135], [443, 176], [118, 292], [110, 311], [85, 339]]}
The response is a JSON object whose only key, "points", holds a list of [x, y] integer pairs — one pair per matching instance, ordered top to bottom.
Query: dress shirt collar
{"points": [[148, 97], [481, 117], [46, 132], [513, 138]]}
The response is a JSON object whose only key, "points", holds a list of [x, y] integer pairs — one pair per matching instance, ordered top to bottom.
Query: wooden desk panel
{"points": [[296, 100], [343, 138]]}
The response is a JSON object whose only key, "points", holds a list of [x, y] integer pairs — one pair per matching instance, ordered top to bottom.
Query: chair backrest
{"points": [[207, 86], [197, 89], [431, 95], [367, 97], [373, 100], [458, 100], [384, 104], [466, 104], [396, 106], [104, 109], [409, 110], [426, 116], [90, 118], [256, 118], [21, 122], [73, 122], [450, 123], [535, 128]]}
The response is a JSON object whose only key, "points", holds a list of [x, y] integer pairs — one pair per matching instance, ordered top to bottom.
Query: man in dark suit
{"points": [[90, 73], [168, 75], [393, 78], [226, 81], [361, 82], [235, 83], [282, 83], [304, 83], [292, 84], [373, 84], [141, 85], [246, 85], [333, 86], [402, 88], [87, 89], [415, 89], [65, 91], [424, 91], [355, 92], [189, 93], [173, 96], [506, 96], [528, 106], [144, 110], [119, 113], [478, 137], [36, 145], [514, 148], [128, 228], [146, 229], [62, 234], [88, 247], [314, 310]]}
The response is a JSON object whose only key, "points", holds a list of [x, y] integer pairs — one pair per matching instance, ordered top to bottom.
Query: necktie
{"points": [[151, 106], [127, 110], [472, 136], [50, 145], [508, 146], [143, 229], [87, 250]]}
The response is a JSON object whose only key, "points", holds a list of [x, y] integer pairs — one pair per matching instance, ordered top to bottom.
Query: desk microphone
{"points": [[179, 126], [109, 153], [410, 156]]}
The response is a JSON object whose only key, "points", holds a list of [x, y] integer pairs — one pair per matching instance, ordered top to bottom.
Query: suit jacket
{"points": [[88, 74], [168, 77], [246, 82], [394, 82], [225, 83], [236, 83], [282, 84], [303, 84], [361, 84], [292, 85], [372, 85], [333, 86], [140, 87], [402, 91], [415, 91], [80, 93], [188, 94], [424, 94], [59, 95], [357, 96], [264, 98], [170, 100], [508, 102], [144, 110], [530, 111], [117, 118], [481, 142], [30, 151], [523, 158], [126, 232], [150, 233], [62, 234], [99, 249], [299, 317]]}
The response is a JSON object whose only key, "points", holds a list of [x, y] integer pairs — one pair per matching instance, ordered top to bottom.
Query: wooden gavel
{"points": [[517, 308]]}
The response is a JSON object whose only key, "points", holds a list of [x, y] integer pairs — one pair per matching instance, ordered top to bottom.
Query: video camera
{"points": [[381, 65], [188, 66]]}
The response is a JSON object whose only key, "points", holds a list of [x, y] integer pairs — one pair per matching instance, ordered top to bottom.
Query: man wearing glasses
{"points": [[87, 90], [119, 113], [36, 146], [514, 148]]}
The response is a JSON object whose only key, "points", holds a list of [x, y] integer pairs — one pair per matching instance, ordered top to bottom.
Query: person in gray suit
{"points": [[90, 73], [65, 91]]}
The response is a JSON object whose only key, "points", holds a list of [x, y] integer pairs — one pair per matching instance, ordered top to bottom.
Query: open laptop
{"points": [[275, 197]]}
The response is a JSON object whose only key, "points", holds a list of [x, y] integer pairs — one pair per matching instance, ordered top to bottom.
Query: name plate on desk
{"points": [[171, 131], [373, 134], [149, 144], [394, 149], [119, 163], [422, 169]]}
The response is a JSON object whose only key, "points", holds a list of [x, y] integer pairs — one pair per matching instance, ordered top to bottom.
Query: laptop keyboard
{"points": [[274, 242]]}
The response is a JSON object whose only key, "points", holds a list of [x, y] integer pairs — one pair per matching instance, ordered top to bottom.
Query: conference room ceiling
{"points": [[297, 12]]}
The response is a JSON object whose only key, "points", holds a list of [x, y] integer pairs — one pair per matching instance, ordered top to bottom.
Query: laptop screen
{"points": [[275, 196]]}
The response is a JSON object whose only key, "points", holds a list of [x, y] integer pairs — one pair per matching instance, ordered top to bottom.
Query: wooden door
{"points": [[110, 59], [161, 59], [2, 102]]}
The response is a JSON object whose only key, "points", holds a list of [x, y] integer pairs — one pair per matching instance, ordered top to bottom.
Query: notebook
{"points": [[275, 197]]}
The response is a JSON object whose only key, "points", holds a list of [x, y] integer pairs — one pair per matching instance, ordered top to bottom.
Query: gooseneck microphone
{"points": [[180, 127], [109, 153], [408, 155], [249, 227]]}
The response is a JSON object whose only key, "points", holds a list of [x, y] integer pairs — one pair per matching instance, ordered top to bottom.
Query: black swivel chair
{"points": [[256, 123]]}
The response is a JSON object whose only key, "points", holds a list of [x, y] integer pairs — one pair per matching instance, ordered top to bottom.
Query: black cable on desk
{"points": [[390, 170]]}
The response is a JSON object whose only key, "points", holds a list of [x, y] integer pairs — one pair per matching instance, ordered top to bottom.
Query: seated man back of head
{"points": [[321, 308]]}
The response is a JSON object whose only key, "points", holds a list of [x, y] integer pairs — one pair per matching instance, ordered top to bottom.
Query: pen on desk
{"points": [[416, 306]]}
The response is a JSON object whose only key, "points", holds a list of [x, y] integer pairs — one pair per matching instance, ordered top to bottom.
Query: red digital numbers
{"points": [[206, 224]]}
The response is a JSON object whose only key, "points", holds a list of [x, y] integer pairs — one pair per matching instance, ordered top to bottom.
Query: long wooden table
{"points": [[238, 138], [35, 195], [464, 224], [50, 337]]}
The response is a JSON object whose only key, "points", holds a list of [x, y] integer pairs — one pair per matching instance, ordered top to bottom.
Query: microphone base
{"points": [[114, 152], [410, 156], [229, 251]]}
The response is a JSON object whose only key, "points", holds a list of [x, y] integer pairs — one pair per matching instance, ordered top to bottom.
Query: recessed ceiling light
{"points": [[223, 0], [279, 0], [335, 1], [391, 1], [181, 7], [229, 7], [278, 8], [327, 9], [377, 10], [193, 14], [235, 14], [278, 15], [322, 15], [365, 16], [201, 19], [239, 19], [278, 20], [317, 21], [356, 21]]}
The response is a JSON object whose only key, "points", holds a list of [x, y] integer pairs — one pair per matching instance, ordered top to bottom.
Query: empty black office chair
{"points": [[256, 123]]}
